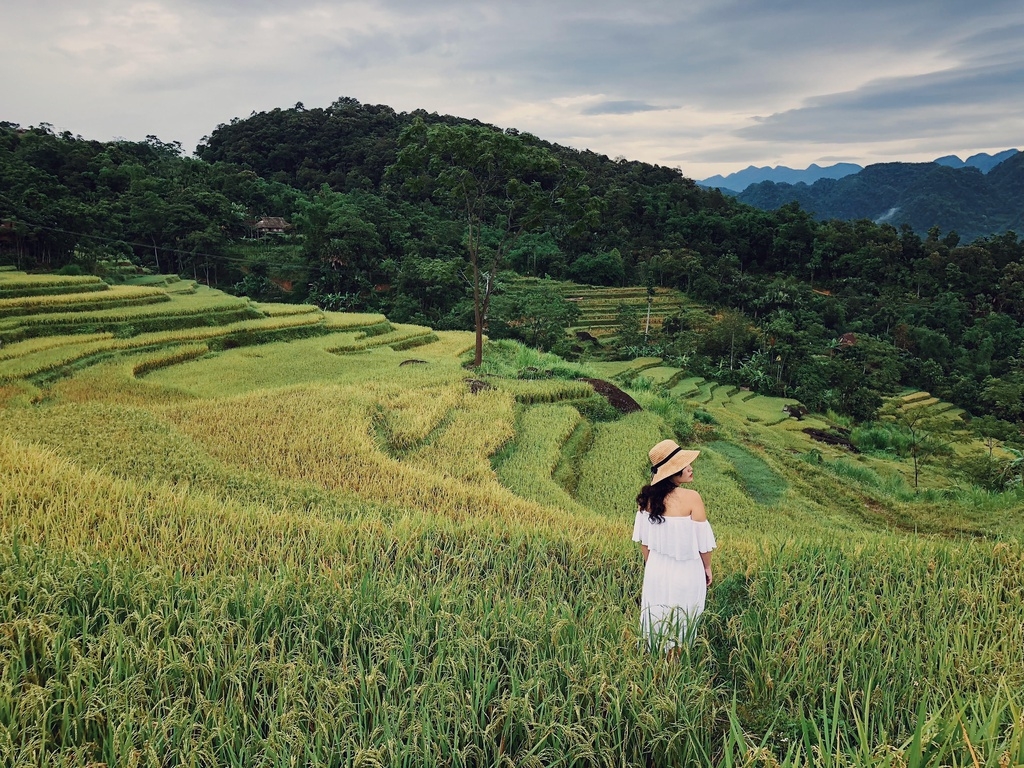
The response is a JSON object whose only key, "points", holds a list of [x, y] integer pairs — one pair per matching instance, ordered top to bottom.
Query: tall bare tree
{"points": [[503, 185]]}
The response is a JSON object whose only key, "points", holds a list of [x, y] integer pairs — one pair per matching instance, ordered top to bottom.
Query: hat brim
{"points": [[676, 464]]}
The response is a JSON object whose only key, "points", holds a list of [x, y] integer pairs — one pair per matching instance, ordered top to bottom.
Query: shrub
{"points": [[598, 269], [537, 313], [634, 351], [512, 360], [639, 383], [595, 408], [673, 412], [704, 417], [881, 438], [813, 456], [985, 471], [856, 472]]}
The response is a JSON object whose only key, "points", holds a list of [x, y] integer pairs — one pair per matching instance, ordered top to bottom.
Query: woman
{"points": [[676, 540]]}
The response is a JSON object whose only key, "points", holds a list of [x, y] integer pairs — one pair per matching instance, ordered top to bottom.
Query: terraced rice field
{"points": [[170, 283], [16, 284], [599, 307], [42, 333], [400, 337], [620, 368], [663, 375], [686, 387], [934, 406], [752, 413], [287, 540]]}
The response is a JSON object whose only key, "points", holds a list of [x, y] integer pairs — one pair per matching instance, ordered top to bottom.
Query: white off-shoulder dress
{"points": [[674, 585]]}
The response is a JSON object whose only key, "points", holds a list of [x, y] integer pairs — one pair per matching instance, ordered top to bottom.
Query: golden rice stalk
{"points": [[112, 298], [400, 333], [43, 343]]}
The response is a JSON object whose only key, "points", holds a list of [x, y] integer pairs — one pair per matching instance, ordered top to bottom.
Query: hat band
{"points": [[654, 469]]}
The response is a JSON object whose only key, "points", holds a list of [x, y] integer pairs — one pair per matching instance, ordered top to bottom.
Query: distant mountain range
{"points": [[982, 161], [739, 181], [964, 198]]}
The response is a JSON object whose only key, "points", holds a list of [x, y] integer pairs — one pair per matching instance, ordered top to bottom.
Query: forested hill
{"points": [[350, 145], [923, 195], [364, 233]]}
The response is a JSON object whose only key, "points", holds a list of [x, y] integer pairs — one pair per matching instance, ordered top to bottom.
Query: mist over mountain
{"points": [[737, 182], [923, 195]]}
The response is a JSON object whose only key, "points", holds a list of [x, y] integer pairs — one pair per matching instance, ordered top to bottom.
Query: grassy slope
{"points": [[279, 552]]}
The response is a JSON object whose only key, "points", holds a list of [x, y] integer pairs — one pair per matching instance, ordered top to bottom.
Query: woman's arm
{"points": [[699, 515], [645, 550], [706, 559]]}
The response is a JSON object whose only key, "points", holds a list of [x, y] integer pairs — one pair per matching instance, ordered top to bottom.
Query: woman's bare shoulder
{"points": [[684, 502], [698, 513]]}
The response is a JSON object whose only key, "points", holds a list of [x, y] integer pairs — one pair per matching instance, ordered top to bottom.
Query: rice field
{"points": [[17, 284], [117, 296], [599, 306], [184, 311], [338, 321], [399, 337], [43, 343], [41, 358], [622, 368], [663, 375], [686, 387], [550, 391], [933, 405], [748, 413], [530, 463], [230, 545]]}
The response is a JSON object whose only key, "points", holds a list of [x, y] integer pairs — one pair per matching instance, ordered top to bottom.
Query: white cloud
{"points": [[714, 85]]}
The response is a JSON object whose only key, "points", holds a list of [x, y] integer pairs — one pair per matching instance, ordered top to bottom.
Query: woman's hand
{"points": [[707, 575]]}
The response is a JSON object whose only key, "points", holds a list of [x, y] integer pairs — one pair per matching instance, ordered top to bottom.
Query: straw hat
{"points": [[667, 458]]}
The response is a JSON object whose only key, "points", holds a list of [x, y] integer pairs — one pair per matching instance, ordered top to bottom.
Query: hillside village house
{"points": [[272, 225]]}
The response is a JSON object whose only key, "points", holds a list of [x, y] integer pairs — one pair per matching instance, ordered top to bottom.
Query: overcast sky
{"points": [[710, 86]]}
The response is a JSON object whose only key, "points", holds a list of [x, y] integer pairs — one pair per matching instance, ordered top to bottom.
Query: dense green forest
{"points": [[922, 195], [835, 313]]}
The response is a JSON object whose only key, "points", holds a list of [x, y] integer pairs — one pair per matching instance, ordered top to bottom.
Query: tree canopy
{"points": [[396, 212]]}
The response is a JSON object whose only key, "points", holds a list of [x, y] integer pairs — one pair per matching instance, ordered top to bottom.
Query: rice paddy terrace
{"points": [[599, 307], [766, 422], [245, 534]]}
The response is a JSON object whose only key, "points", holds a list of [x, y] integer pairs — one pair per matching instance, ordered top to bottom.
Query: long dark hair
{"points": [[652, 498]]}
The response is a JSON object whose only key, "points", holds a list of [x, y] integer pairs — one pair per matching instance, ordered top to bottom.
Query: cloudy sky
{"points": [[710, 86]]}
